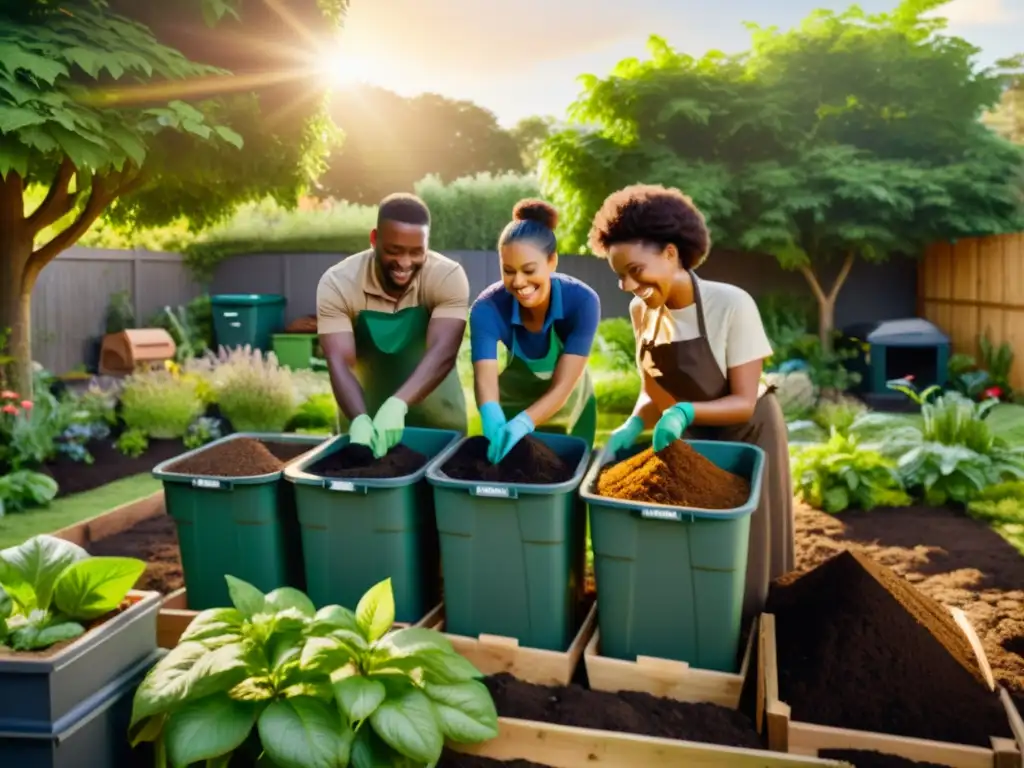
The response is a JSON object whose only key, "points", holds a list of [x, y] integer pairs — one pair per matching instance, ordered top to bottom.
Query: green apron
{"points": [[389, 346], [524, 381]]}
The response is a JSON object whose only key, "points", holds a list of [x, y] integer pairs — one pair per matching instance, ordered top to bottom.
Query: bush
{"points": [[469, 213], [615, 345], [795, 391], [254, 393], [617, 394], [160, 404], [318, 413]]}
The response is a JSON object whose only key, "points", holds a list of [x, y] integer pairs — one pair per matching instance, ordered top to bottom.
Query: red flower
{"points": [[909, 377], [995, 392], [8, 394], [26, 404], [10, 409]]}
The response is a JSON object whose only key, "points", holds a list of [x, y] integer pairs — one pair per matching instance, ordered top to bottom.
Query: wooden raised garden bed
{"points": [[114, 521], [175, 617], [494, 654], [666, 678], [794, 737], [561, 746]]}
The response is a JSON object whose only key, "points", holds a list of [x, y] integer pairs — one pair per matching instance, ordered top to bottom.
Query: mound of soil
{"points": [[242, 457], [358, 461], [530, 462], [677, 476], [154, 540], [859, 647], [626, 712], [863, 759], [456, 760]]}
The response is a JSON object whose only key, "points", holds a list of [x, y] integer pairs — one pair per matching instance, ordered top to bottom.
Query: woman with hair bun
{"points": [[547, 322]]}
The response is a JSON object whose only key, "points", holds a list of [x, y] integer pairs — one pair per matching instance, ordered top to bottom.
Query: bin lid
{"points": [[246, 299], [911, 332]]}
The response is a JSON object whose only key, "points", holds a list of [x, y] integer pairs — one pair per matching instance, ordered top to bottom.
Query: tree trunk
{"points": [[827, 301], [15, 317]]}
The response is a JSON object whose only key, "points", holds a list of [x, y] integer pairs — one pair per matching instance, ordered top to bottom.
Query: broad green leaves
{"points": [[29, 571], [90, 588], [310, 681]]}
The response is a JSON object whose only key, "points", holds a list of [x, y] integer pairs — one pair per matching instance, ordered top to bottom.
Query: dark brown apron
{"points": [[687, 370]]}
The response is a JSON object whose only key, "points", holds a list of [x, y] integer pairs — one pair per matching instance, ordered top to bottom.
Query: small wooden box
{"points": [[122, 352]]}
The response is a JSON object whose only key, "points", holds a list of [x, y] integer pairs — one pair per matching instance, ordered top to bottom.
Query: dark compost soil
{"points": [[241, 457], [358, 461], [530, 462], [108, 465], [677, 476], [154, 540], [859, 647], [625, 712], [864, 759], [455, 760]]}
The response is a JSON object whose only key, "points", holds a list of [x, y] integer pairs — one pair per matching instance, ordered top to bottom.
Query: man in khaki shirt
{"points": [[391, 320]]}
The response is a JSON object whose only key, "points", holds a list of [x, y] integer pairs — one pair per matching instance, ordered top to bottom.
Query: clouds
{"points": [[980, 12]]}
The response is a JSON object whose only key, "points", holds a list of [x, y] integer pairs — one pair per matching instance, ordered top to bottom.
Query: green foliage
{"points": [[529, 134], [469, 213], [120, 315], [190, 326], [614, 345], [254, 393], [617, 394], [160, 404], [319, 412], [29, 428], [202, 431], [132, 443], [841, 473], [24, 488], [1001, 503], [54, 587], [333, 687]]}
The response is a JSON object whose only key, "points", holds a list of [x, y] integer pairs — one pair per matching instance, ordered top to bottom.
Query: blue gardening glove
{"points": [[492, 419], [672, 424], [388, 426], [360, 431], [624, 436], [507, 437]]}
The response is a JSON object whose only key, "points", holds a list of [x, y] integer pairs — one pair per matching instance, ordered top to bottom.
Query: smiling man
{"points": [[391, 320]]}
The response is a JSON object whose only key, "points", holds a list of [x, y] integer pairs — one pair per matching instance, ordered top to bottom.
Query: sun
{"points": [[343, 70]]}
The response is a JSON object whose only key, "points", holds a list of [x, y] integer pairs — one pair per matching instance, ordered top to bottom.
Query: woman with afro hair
{"points": [[547, 322], [700, 350]]}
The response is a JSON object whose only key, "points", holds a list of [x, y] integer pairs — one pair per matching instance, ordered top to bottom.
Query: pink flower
{"points": [[909, 377], [995, 392], [8, 394], [26, 404], [10, 409]]}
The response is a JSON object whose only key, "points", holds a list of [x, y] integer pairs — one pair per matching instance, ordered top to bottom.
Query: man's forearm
{"points": [[436, 364], [347, 391]]}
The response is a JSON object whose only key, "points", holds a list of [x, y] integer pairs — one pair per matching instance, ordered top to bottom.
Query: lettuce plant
{"points": [[50, 588], [309, 689]]}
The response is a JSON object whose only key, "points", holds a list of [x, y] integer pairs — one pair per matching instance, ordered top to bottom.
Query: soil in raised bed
{"points": [[241, 457], [357, 461], [530, 462], [109, 464], [677, 476], [154, 540], [859, 647], [625, 712], [452, 759], [865, 759]]}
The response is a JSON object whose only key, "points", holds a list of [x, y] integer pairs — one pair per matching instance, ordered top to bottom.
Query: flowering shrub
{"points": [[254, 393], [160, 404], [22, 445]]}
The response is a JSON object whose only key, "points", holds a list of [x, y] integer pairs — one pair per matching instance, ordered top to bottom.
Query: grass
{"points": [[68, 510]]}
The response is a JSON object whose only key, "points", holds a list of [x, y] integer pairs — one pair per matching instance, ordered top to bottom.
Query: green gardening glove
{"points": [[672, 424], [388, 425], [360, 431], [624, 437]]}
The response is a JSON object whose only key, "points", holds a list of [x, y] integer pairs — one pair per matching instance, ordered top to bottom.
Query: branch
{"points": [[59, 202], [844, 272], [808, 274]]}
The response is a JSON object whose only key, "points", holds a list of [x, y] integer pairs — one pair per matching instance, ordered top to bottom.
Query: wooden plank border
{"points": [[114, 521], [175, 616], [494, 654], [665, 678], [788, 735], [561, 746]]}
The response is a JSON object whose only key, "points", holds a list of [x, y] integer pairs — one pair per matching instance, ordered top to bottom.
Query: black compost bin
{"points": [[906, 348]]}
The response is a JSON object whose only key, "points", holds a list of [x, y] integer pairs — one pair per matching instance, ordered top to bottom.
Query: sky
{"points": [[522, 58]]}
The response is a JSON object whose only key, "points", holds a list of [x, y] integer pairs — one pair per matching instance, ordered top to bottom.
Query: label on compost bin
{"points": [[202, 482], [342, 485], [492, 490], [661, 514]]}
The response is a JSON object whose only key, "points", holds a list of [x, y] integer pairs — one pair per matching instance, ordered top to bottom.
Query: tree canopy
{"points": [[95, 107], [853, 135], [392, 142]]}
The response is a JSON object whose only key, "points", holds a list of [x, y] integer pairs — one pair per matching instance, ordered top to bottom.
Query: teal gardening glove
{"points": [[492, 419], [672, 424], [388, 426], [360, 431], [507, 437], [624, 437]]}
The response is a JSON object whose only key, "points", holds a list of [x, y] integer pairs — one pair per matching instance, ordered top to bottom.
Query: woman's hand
{"points": [[492, 419], [673, 422], [508, 436], [624, 437]]}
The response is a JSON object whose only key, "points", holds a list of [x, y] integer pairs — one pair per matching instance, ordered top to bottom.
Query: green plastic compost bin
{"points": [[247, 318], [294, 350], [242, 526], [358, 532], [513, 554], [670, 580]]}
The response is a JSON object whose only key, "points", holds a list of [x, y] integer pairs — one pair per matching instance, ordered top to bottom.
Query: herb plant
{"points": [[50, 587], [309, 689]]}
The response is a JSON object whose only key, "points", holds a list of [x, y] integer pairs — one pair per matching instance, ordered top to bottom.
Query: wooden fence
{"points": [[975, 287]]}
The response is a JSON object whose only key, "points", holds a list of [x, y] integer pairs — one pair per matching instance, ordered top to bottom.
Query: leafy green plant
{"points": [[120, 315], [788, 322], [615, 345], [998, 363], [254, 393], [617, 394], [160, 403], [319, 412], [203, 430], [132, 443], [841, 473], [25, 488], [1001, 503], [53, 588], [328, 688]]}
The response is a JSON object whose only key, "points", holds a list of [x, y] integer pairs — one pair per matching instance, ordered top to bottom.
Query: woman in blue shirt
{"points": [[547, 322]]}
